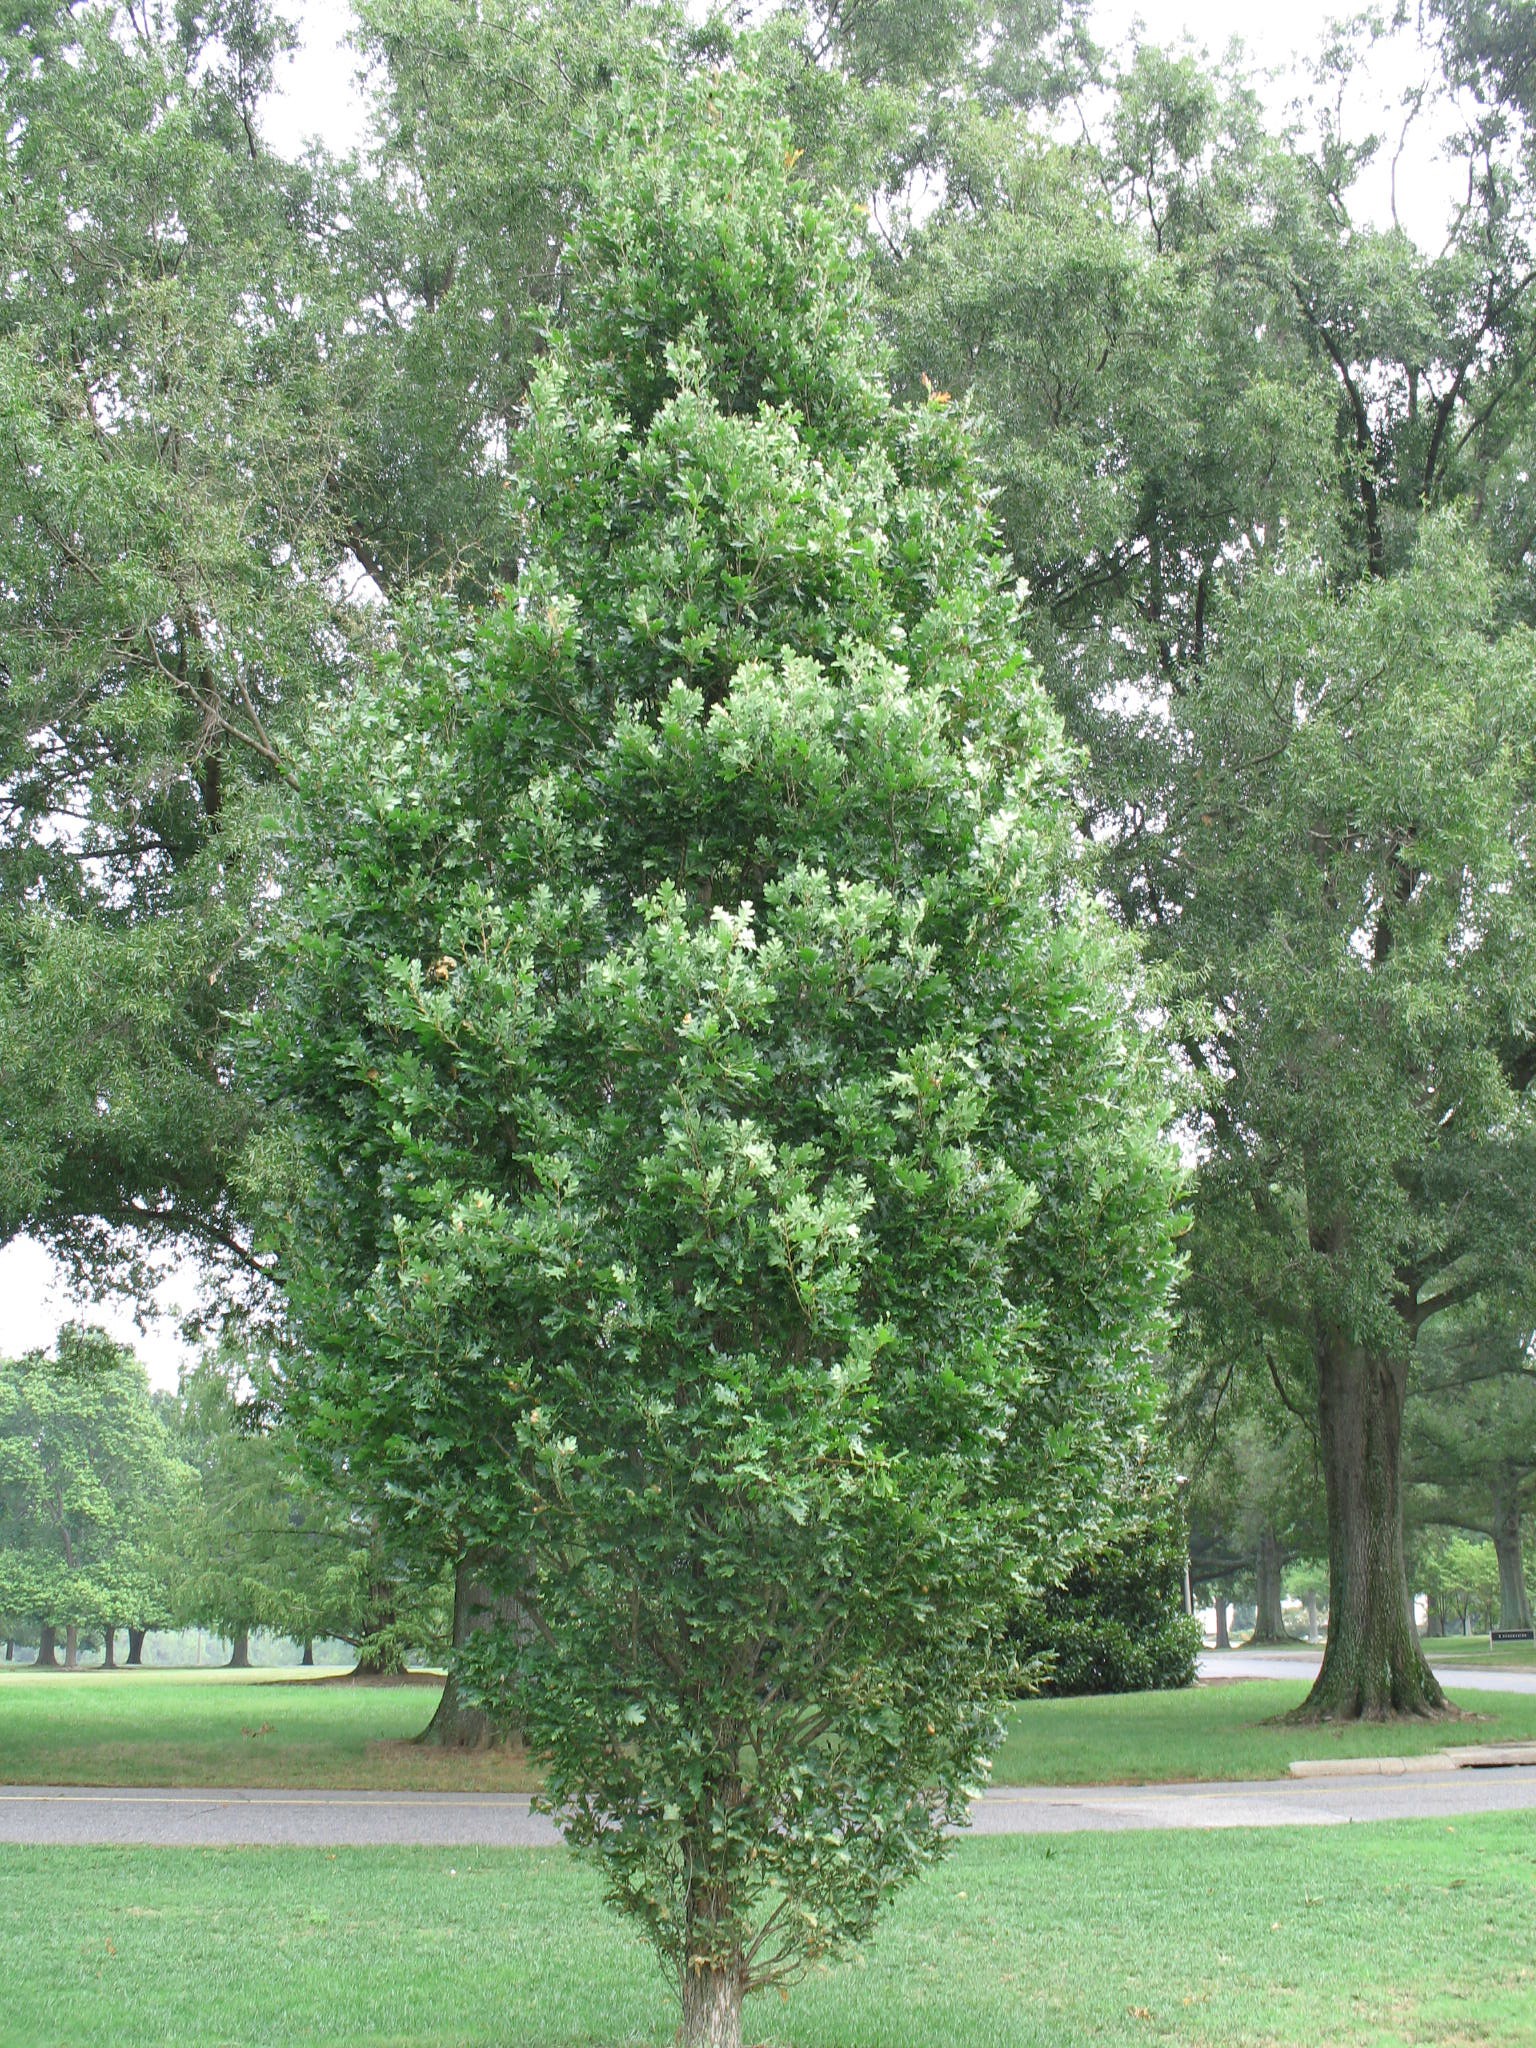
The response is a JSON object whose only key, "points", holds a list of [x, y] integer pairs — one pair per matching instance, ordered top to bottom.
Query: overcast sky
{"points": [[319, 99]]}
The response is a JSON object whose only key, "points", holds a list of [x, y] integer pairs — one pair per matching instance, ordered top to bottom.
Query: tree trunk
{"points": [[1514, 1600], [1311, 1617], [1434, 1620], [1268, 1623], [1223, 1640], [136, 1645], [48, 1646], [71, 1647], [240, 1650], [309, 1651], [108, 1655], [1372, 1666], [456, 1725], [712, 1989]]}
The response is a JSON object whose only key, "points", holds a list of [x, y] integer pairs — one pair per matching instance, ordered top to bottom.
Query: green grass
{"points": [[1481, 1650], [189, 1728], [264, 1728], [1222, 1731], [1367, 1937]]}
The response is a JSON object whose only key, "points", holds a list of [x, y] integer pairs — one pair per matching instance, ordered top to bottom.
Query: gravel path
{"points": [[82, 1815]]}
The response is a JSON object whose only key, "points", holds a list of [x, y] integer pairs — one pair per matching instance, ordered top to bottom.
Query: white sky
{"points": [[319, 98]]}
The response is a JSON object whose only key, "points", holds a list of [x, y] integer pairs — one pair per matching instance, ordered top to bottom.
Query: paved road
{"points": [[1303, 1663], [80, 1815]]}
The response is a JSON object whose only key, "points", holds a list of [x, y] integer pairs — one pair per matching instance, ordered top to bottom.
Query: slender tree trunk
{"points": [[1514, 1600], [1311, 1617], [1268, 1622], [1223, 1640], [136, 1645], [48, 1646], [71, 1647], [108, 1647], [240, 1650], [309, 1651], [1372, 1666], [457, 1725], [712, 1990]]}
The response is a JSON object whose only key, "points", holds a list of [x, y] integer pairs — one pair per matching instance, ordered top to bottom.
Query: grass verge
{"points": [[220, 1728], [250, 1728], [1223, 1731], [1366, 1937]]}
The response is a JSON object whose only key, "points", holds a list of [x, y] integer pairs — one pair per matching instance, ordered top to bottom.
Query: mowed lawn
{"points": [[253, 1728], [271, 1729], [1231, 1730], [1362, 1937]]}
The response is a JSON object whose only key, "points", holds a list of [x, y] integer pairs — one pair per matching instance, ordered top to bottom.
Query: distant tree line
{"points": [[123, 1511]]}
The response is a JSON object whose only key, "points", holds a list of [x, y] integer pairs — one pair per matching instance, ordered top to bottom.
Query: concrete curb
{"points": [[1470, 1757]]}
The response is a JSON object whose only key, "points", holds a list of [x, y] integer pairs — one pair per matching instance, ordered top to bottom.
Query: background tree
{"points": [[170, 560], [1294, 672], [726, 1185], [1472, 1445], [85, 1467], [258, 1544]]}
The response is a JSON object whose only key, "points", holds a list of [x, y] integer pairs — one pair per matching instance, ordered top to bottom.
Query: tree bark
{"points": [[1514, 1600], [1268, 1621], [1223, 1639], [136, 1645], [48, 1646], [71, 1646], [240, 1650], [309, 1651], [108, 1654], [1373, 1667], [457, 1725], [713, 1987]]}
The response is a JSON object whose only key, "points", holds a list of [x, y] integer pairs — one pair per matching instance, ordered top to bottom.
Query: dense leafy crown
{"points": [[732, 1186]]}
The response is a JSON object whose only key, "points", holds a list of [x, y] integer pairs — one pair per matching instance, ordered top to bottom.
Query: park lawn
{"points": [[1481, 1650], [191, 1728], [252, 1728], [1222, 1731], [1364, 1937]]}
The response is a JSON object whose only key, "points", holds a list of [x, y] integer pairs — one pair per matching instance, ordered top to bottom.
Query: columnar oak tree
{"points": [[726, 1174]]}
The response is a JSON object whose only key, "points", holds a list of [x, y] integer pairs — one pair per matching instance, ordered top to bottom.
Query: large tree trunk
{"points": [[1514, 1600], [1268, 1621], [1223, 1640], [136, 1645], [48, 1646], [71, 1647], [240, 1650], [309, 1651], [108, 1657], [1372, 1666], [457, 1725]]}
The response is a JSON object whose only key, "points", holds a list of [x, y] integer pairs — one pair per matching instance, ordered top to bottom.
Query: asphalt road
{"points": [[1303, 1662], [82, 1815]]}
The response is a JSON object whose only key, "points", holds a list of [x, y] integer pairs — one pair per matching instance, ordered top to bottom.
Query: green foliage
{"points": [[166, 551], [726, 1183], [86, 1475], [257, 1543], [1116, 1623]]}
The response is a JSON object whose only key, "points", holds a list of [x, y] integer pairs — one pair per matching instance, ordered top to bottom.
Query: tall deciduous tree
{"points": [[1277, 603], [729, 1181]]}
